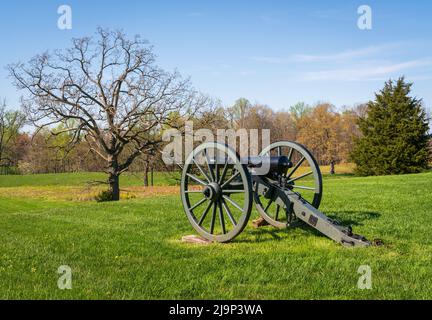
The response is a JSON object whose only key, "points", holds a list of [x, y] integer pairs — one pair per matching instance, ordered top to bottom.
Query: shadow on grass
{"points": [[353, 218], [269, 233], [263, 234]]}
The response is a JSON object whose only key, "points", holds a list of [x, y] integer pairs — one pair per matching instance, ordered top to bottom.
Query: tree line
{"points": [[328, 133]]}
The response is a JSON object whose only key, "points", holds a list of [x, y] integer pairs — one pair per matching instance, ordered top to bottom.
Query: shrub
{"points": [[104, 196]]}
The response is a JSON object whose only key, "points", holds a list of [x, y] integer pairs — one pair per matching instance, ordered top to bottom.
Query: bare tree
{"points": [[113, 91]]}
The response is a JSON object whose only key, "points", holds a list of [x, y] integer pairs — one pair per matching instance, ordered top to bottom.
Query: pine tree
{"points": [[394, 133]]}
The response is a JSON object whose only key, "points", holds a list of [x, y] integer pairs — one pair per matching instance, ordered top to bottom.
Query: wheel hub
{"points": [[212, 191]]}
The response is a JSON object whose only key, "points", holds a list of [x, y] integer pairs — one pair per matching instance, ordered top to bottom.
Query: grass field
{"points": [[132, 249]]}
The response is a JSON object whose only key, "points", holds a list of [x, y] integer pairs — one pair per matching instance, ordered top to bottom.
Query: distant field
{"points": [[127, 180], [84, 186], [132, 249]]}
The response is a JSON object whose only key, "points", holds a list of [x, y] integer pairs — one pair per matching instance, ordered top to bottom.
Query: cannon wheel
{"points": [[307, 181], [216, 196]]}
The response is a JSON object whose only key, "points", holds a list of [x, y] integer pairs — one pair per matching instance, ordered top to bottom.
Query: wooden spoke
{"points": [[290, 154], [209, 166], [296, 167], [216, 170], [202, 171], [224, 171], [300, 177], [196, 179], [230, 179], [302, 187], [193, 191], [232, 191], [232, 202], [198, 204], [268, 205], [228, 211], [277, 212], [205, 213], [221, 217], [212, 224]]}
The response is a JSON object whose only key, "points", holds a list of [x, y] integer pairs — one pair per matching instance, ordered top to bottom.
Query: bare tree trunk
{"points": [[332, 167], [146, 172], [152, 176], [113, 179], [114, 186]]}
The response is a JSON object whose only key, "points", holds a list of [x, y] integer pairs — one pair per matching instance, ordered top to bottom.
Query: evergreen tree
{"points": [[394, 133]]}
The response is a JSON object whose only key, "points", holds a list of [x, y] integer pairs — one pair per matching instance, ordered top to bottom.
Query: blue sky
{"points": [[272, 52]]}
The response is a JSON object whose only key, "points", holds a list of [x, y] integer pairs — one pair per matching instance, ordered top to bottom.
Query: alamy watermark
{"points": [[364, 21], [64, 22], [181, 144], [365, 280], [64, 282]]}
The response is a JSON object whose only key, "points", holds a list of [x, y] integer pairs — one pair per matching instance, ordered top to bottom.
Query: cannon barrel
{"points": [[262, 165], [269, 165]]}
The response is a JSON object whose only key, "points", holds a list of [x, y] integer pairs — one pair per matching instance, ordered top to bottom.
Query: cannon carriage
{"points": [[218, 190]]}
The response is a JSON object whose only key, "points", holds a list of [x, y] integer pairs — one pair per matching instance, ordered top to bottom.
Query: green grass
{"points": [[131, 249]]}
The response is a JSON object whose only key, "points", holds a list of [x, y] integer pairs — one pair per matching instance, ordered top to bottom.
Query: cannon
{"points": [[218, 189]]}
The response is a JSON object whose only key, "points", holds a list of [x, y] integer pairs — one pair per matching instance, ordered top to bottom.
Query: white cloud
{"points": [[345, 55], [334, 57], [367, 63], [372, 72]]}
